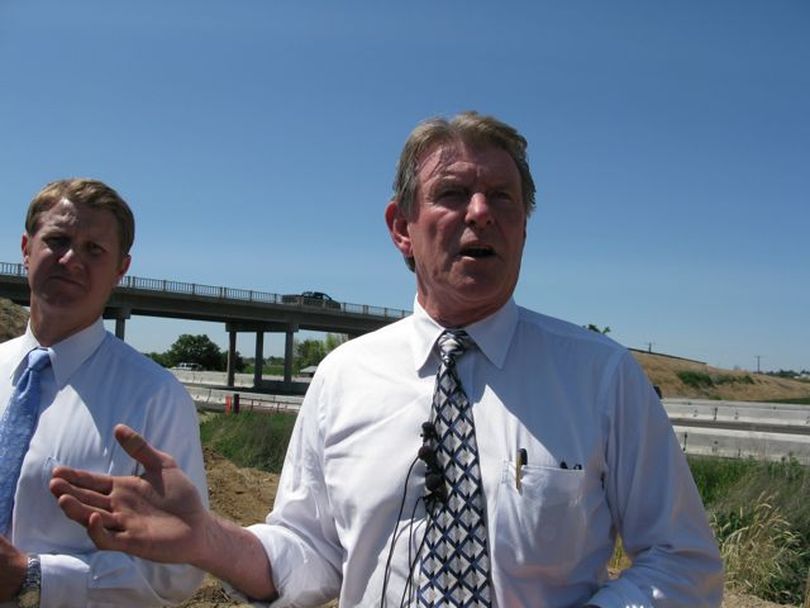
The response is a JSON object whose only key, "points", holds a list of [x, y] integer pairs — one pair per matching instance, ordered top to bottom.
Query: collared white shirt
{"points": [[94, 382], [602, 459]]}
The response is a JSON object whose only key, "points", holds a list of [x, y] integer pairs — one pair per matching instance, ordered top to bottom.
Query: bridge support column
{"points": [[120, 315], [120, 328], [288, 356], [259, 359], [231, 368]]}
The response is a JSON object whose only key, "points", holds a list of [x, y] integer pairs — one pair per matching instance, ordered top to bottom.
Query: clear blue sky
{"points": [[256, 142]]}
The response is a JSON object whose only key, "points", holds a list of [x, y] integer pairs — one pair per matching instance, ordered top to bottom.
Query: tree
{"points": [[595, 328], [334, 340], [195, 349], [309, 352], [159, 358], [239, 363]]}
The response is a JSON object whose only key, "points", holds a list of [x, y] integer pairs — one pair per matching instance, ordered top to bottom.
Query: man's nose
{"points": [[479, 211], [70, 257]]}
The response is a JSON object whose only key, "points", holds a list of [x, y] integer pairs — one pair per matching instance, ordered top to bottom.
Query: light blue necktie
{"points": [[16, 429]]}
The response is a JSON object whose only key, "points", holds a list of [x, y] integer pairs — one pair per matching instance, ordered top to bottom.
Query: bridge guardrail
{"points": [[223, 293]]}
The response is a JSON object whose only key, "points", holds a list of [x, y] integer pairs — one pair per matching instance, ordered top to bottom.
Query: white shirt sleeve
{"points": [[655, 506], [299, 535]]}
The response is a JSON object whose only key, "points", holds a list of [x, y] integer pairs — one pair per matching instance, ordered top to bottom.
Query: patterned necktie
{"points": [[16, 428], [455, 563]]}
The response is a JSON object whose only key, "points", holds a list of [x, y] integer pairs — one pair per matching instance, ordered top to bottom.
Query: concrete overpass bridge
{"points": [[241, 310]]}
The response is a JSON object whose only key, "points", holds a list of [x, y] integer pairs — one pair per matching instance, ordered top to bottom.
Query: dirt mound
{"points": [[13, 320], [242, 495]]}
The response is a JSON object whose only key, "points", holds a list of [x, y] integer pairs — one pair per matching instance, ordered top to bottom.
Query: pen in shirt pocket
{"points": [[521, 459]]}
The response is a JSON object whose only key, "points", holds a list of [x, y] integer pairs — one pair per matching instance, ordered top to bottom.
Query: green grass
{"points": [[797, 400], [249, 439], [714, 477], [760, 514]]}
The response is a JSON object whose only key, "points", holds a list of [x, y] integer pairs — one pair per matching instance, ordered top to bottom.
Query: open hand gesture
{"points": [[157, 516]]}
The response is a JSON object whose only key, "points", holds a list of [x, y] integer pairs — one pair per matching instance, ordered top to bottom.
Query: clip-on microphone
{"points": [[434, 476]]}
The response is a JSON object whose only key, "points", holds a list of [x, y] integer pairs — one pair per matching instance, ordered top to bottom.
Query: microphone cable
{"points": [[413, 559], [387, 571]]}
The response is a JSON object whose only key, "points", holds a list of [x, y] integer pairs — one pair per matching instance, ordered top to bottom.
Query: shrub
{"points": [[695, 379]]}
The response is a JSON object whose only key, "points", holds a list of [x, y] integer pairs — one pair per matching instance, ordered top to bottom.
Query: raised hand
{"points": [[157, 516]]}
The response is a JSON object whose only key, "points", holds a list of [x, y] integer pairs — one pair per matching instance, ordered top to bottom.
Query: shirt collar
{"points": [[492, 334], [69, 354]]}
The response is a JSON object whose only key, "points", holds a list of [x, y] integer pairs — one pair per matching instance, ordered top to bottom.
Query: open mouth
{"points": [[478, 252]]}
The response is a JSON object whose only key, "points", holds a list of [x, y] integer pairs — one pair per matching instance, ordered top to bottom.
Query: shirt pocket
{"points": [[541, 527], [48, 529]]}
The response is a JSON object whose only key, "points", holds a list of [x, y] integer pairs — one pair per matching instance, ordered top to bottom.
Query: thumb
{"points": [[140, 449]]}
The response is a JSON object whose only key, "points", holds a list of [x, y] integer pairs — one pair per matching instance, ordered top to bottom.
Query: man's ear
{"points": [[398, 228], [25, 247], [123, 266]]}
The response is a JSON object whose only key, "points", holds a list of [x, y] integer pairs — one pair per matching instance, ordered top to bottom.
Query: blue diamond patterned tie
{"points": [[16, 428], [455, 563]]}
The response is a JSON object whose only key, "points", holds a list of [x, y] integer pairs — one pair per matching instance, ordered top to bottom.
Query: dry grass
{"points": [[728, 384], [763, 554]]}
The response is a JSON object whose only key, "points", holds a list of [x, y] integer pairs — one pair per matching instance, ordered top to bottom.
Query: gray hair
{"points": [[469, 127]]}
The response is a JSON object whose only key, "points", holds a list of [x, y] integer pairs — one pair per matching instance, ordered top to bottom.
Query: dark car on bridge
{"points": [[311, 298]]}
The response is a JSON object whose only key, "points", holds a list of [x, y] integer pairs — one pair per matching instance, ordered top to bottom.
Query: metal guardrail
{"points": [[14, 270], [229, 293]]}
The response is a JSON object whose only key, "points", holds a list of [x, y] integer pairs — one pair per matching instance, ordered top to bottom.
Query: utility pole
{"points": [[649, 346], [758, 357]]}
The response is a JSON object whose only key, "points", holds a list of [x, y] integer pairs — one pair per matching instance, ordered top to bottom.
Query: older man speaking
{"points": [[473, 454]]}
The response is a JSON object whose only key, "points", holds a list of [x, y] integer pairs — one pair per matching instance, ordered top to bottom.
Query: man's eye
{"points": [[451, 193], [501, 196], [57, 242], [95, 249]]}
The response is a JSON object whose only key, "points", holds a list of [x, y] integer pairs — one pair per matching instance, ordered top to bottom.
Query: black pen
{"points": [[521, 459]]}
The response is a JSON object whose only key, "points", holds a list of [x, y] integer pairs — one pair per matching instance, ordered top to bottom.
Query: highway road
{"points": [[732, 429], [739, 429]]}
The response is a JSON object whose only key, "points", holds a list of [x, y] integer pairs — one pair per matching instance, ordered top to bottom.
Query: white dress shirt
{"points": [[96, 381], [562, 393]]}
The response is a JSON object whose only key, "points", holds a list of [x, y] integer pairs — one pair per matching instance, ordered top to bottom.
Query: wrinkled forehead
{"points": [[459, 157], [63, 212], [67, 215]]}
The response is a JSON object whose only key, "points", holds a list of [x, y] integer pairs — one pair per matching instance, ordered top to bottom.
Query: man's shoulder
{"points": [[566, 331], [375, 343], [11, 344], [10, 348], [131, 363]]}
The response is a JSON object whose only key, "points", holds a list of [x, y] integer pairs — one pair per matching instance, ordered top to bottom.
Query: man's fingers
{"points": [[140, 449], [96, 482], [91, 498], [82, 514], [104, 535]]}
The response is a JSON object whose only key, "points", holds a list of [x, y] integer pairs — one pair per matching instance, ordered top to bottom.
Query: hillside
{"points": [[13, 319], [682, 378]]}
